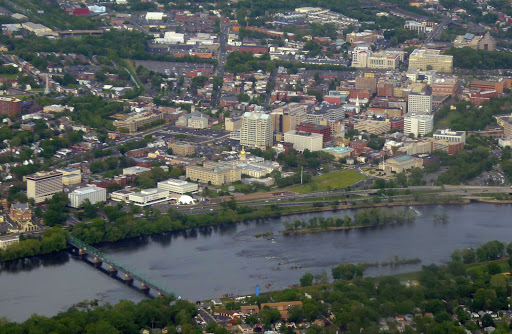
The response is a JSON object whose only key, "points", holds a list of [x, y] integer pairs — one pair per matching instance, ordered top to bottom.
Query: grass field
{"points": [[335, 180]]}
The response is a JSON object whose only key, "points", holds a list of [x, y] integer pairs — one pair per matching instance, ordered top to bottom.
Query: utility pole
{"points": [[301, 173]]}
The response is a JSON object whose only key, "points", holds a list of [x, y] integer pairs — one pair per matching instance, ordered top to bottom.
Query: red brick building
{"points": [[10, 106], [397, 123], [313, 128], [20, 212]]}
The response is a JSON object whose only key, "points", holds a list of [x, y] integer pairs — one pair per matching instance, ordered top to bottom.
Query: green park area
{"points": [[335, 180]]}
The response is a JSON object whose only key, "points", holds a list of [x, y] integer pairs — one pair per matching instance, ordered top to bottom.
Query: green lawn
{"points": [[335, 180]]}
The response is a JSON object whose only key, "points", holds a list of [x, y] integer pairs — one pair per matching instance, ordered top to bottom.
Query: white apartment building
{"points": [[419, 104], [418, 124], [256, 130], [451, 136], [304, 140], [42, 186], [177, 186], [93, 193], [149, 197]]}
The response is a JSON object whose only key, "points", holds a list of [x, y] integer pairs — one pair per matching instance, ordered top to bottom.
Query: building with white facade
{"points": [[154, 16], [360, 56], [419, 104], [418, 124], [256, 130], [451, 136], [304, 140], [42, 186], [177, 186], [93, 193], [149, 197], [7, 240]]}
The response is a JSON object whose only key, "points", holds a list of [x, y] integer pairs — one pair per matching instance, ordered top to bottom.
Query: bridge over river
{"points": [[115, 269]]}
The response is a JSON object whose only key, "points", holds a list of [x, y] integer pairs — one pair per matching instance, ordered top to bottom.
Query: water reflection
{"points": [[28, 264]]}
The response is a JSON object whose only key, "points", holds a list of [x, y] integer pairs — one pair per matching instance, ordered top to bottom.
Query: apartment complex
{"points": [[427, 59], [419, 104], [10, 106], [134, 121], [418, 124], [256, 130], [304, 140], [182, 148], [214, 173], [42, 186], [177, 186], [92, 193]]}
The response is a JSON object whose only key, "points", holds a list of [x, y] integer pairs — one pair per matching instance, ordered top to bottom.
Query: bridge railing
{"points": [[107, 259]]}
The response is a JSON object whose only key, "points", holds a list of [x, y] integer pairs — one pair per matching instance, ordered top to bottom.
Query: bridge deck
{"points": [[105, 258]]}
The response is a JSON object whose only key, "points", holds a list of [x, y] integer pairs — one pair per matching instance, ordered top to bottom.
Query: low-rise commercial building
{"points": [[133, 122], [373, 126], [451, 136], [304, 140], [339, 152], [400, 164], [136, 170], [70, 176], [177, 186], [92, 193], [122, 195], [149, 197], [7, 240]]}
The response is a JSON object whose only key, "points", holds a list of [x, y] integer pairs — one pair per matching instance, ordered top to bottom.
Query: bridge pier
{"points": [[82, 254], [97, 262], [112, 271], [128, 280], [145, 289]]}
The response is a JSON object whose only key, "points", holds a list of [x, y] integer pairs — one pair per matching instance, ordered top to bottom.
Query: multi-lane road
{"points": [[288, 199]]}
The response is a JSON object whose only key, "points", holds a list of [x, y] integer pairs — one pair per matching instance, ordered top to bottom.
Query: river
{"points": [[207, 263]]}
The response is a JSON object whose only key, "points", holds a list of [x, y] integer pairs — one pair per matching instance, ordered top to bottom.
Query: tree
{"points": [[347, 272], [322, 278], [306, 279], [269, 316], [487, 321]]}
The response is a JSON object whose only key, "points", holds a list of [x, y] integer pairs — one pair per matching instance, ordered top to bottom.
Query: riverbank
{"points": [[126, 227]]}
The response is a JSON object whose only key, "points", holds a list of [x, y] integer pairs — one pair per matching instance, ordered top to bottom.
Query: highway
{"points": [[438, 29], [223, 41], [296, 200]]}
